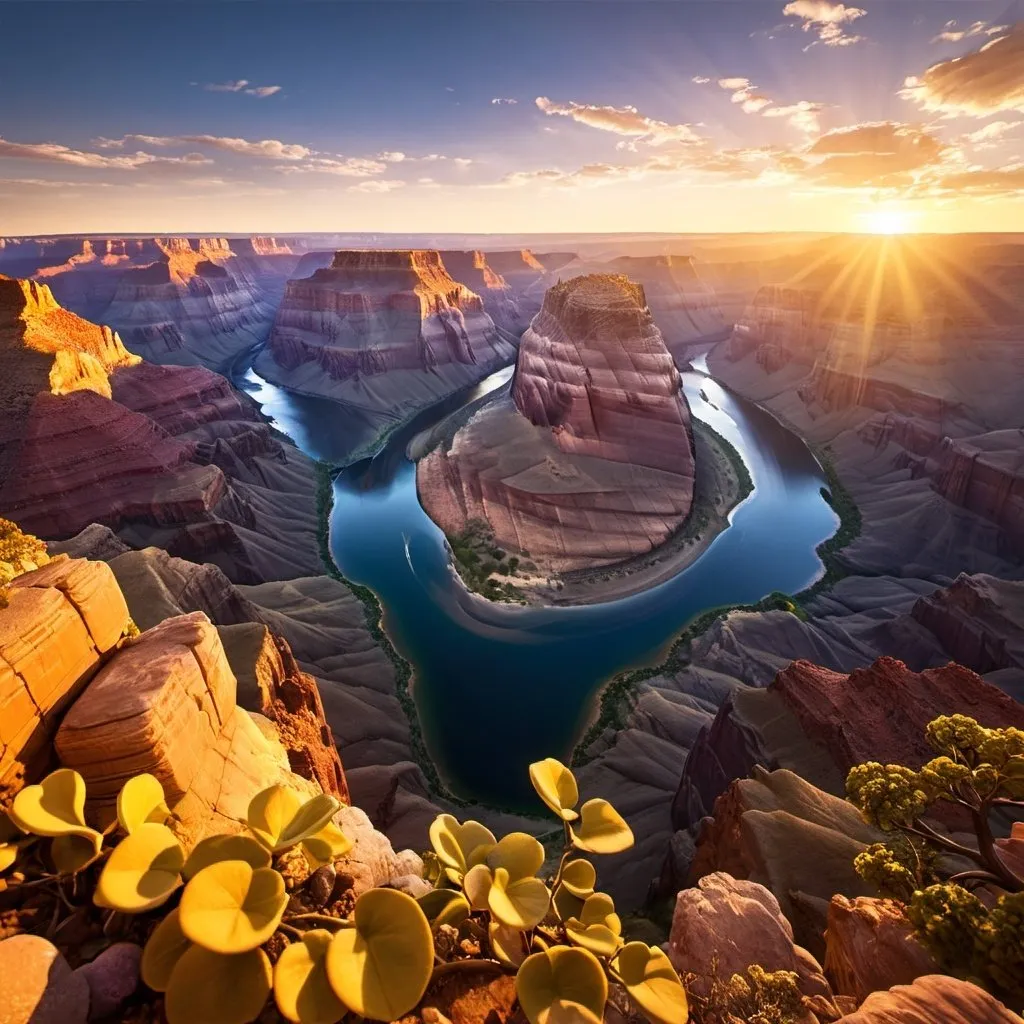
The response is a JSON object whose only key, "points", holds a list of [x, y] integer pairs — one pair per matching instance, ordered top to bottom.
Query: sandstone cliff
{"points": [[472, 269], [385, 332], [588, 460]]}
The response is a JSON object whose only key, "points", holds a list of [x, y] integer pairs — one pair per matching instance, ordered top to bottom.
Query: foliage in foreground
{"points": [[20, 552], [969, 916], [227, 926]]}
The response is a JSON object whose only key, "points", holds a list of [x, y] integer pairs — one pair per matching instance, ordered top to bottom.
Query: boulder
{"points": [[60, 622], [724, 924], [870, 945], [112, 978], [38, 985], [933, 999]]}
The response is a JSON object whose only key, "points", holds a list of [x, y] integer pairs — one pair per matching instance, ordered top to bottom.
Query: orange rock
{"points": [[59, 623], [870, 945], [934, 999]]}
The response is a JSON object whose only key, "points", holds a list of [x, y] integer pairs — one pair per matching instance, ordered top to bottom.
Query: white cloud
{"points": [[827, 19], [951, 34], [700, 80], [242, 85], [743, 93], [498, 100], [802, 114], [621, 121], [991, 134], [268, 149], [54, 152], [392, 156], [345, 167], [376, 186]]}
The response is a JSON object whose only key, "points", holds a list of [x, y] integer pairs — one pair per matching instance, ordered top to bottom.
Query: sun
{"points": [[887, 220]]}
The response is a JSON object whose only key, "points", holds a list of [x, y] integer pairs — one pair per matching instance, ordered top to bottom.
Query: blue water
{"points": [[499, 686]]}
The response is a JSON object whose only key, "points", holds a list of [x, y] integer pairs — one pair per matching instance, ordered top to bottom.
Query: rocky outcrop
{"points": [[470, 267], [684, 306], [784, 319], [386, 332], [588, 460], [60, 624], [166, 705], [794, 839], [724, 924], [871, 946], [934, 999]]}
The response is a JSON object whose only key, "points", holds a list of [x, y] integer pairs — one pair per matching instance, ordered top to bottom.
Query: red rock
{"points": [[472, 269], [590, 461], [879, 713], [870, 945], [935, 999]]}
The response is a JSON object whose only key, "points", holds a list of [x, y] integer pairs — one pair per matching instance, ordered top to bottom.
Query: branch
{"points": [[919, 828], [987, 845], [470, 966]]}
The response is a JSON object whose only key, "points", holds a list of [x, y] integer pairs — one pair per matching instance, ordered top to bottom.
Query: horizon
{"points": [[693, 117]]}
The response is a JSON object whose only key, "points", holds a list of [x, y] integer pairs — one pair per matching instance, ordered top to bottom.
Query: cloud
{"points": [[827, 19], [952, 34], [700, 80], [983, 82], [242, 85], [743, 93], [498, 100], [802, 115], [626, 121], [989, 136], [268, 149], [56, 153], [392, 156], [461, 161], [345, 167], [979, 181], [376, 186]]}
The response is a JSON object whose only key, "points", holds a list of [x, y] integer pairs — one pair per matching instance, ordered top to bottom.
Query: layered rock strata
{"points": [[470, 267], [386, 332], [588, 459], [60, 624]]}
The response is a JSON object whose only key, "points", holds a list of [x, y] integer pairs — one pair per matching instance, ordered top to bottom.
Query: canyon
{"points": [[383, 332], [588, 459]]}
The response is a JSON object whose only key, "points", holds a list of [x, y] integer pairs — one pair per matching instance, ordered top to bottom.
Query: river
{"points": [[499, 686]]}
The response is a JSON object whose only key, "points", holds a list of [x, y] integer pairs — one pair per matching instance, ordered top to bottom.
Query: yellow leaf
{"points": [[556, 786], [141, 799], [54, 807], [280, 819], [601, 829], [326, 846], [459, 846], [217, 848], [73, 853], [519, 854], [142, 872], [579, 877], [521, 904], [444, 906], [231, 907], [506, 943], [164, 948], [380, 968], [652, 983], [556, 984], [210, 988], [301, 988]]}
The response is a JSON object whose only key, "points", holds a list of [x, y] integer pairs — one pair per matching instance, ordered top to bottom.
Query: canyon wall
{"points": [[387, 332]]}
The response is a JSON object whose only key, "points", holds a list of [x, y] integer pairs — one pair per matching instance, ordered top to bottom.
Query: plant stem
{"points": [[339, 922], [290, 931], [470, 966]]}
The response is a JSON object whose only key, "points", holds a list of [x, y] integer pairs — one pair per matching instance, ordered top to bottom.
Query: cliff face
{"points": [[471, 269], [385, 331], [589, 459]]}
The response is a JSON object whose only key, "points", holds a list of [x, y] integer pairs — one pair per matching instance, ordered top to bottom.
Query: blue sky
{"points": [[292, 116]]}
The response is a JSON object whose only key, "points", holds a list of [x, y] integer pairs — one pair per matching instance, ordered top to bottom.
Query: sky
{"points": [[511, 116]]}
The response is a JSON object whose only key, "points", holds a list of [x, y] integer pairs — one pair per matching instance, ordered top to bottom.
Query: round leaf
{"points": [[556, 786], [141, 799], [54, 807], [279, 818], [601, 829], [456, 844], [326, 846], [217, 848], [73, 853], [519, 854], [142, 872], [579, 877], [477, 886], [521, 904], [566, 904], [444, 906], [231, 907], [599, 908], [598, 938], [506, 944], [165, 947], [380, 968], [550, 979], [652, 982], [208, 988], [301, 988]]}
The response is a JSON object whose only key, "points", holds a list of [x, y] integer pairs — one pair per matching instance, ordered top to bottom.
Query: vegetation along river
{"points": [[498, 686]]}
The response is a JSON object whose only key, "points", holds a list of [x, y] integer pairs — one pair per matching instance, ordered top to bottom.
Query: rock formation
{"points": [[470, 268], [384, 332], [588, 460], [934, 999]]}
